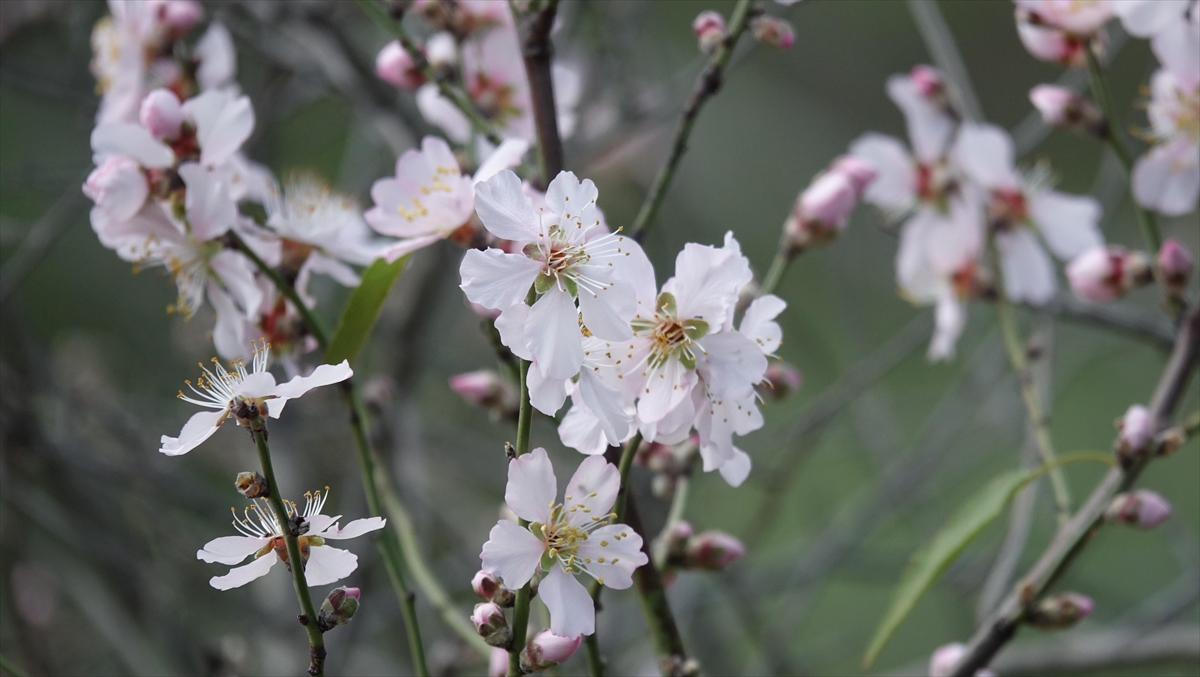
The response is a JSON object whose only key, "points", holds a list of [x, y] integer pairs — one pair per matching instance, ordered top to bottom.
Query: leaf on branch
{"points": [[362, 310], [935, 556]]}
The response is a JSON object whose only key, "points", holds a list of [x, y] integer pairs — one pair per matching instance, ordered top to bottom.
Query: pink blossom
{"points": [[709, 27], [773, 31], [394, 66], [1066, 109], [162, 114], [118, 187], [1175, 266], [1098, 273], [1137, 428], [1144, 509], [713, 550], [547, 650]]}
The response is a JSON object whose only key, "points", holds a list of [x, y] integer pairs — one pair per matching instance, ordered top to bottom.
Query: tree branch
{"points": [[534, 30]]}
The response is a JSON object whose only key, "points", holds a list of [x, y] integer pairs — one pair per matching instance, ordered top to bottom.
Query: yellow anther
{"points": [[600, 560]]}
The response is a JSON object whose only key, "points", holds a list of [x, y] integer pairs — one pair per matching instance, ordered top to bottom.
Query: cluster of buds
{"points": [[709, 27], [773, 31], [1064, 108], [823, 209], [1174, 267], [1106, 272], [780, 381], [487, 389], [669, 463], [252, 485], [1143, 509], [679, 548], [489, 588], [338, 608], [1060, 611], [947, 657]]}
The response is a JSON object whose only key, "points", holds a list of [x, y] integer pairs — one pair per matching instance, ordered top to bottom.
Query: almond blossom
{"points": [[1060, 30], [225, 390], [262, 535], [575, 536]]}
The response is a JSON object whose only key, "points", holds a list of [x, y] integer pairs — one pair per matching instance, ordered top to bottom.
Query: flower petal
{"points": [[132, 140], [985, 153], [506, 156], [895, 182], [568, 196], [504, 208], [1069, 223], [1028, 271], [495, 279], [607, 311], [511, 325], [759, 325], [553, 336], [731, 364], [323, 375], [545, 394], [199, 427], [581, 431], [736, 469], [531, 487], [591, 491], [355, 529], [620, 548], [230, 549], [512, 553], [327, 565], [239, 576], [572, 612]]}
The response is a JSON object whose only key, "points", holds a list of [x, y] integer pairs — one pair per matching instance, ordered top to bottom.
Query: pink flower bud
{"points": [[181, 15], [709, 27], [773, 31], [441, 49], [394, 66], [928, 81], [1065, 109], [162, 114], [860, 173], [118, 187], [821, 211], [1175, 266], [1095, 275], [780, 381], [487, 389], [1137, 429], [1144, 509], [713, 550], [489, 588], [338, 608], [1061, 611], [489, 621], [547, 650], [945, 658], [498, 663]]}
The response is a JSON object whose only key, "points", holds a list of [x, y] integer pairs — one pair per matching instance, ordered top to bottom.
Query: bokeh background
{"points": [[98, 531]]}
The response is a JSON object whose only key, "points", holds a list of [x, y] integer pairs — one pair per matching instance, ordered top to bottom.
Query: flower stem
{"points": [[707, 84], [450, 93], [1146, 219], [778, 267], [1033, 407], [521, 603], [308, 617], [11, 668]]}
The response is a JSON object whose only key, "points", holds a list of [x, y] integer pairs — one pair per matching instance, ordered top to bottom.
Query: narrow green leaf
{"points": [[362, 310], [932, 559]]}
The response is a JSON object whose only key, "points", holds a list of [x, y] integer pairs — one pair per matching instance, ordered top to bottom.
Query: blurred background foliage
{"points": [[98, 531]]}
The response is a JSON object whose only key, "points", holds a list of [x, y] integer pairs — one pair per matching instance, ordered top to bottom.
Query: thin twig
{"points": [[537, 53], [521, 604]]}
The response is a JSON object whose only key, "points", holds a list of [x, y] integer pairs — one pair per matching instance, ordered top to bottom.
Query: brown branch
{"points": [[534, 30], [1074, 536], [672, 658]]}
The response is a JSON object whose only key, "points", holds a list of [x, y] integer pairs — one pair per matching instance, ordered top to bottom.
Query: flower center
{"points": [[1007, 209], [670, 337], [563, 539]]}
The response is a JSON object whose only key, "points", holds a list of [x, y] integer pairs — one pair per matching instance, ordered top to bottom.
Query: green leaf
{"points": [[666, 304], [362, 310], [932, 559]]}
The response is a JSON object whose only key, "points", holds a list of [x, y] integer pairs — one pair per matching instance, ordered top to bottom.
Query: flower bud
{"points": [[181, 16], [709, 27], [773, 31], [1048, 42], [441, 50], [394, 66], [928, 81], [1063, 108], [161, 114], [860, 173], [118, 187], [820, 213], [1174, 266], [1104, 273], [780, 381], [487, 389], [1136, 430], [252, 485], [1143, 509], [712, 550], [488, 587], [338, 608], [1061, 611], [489, 621], [548, 650], [947, 657], [498, 662]]}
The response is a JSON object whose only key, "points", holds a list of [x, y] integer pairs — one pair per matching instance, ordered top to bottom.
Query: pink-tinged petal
{"points": [[1144, 18], [1176, 46], [218, 60], [440, 111], [223, 123], [929, 127], [131, 140], [985, 152], [506, 156], [1167, 178], [894, 186], [567, 195], [210, 210], [505, 210], [1069, 223], [403, 247], [1028, 271], [235, 273], [497, 280], [707, 282], [607, 311], [950, 318], [758, 323], [511, 325], [231, 331], [553, 336], [731, 364], [323, 375], [257, 384], [664, 389], [545, 394], [607, 404], [199, 427], [581, 431], [736, 469], [531, 487], [591, 491], [318, 524], [354, 529], [620, 548], [230, 549], [512, 553], [327, 565], [239, 576], [572, 612]]}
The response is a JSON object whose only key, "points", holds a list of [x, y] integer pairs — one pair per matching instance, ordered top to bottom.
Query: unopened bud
{"points": [[181, 15], [709, 27], [773, 31], [1051, 43], [442, 50], [394, 66], [928, 81], [1063, 108], [161, 114], [860, 173], [118, 187], [820, 212], [1174, 266], [1104, 273], [780, 381], [487, 389], [1136, 429], [1170, 440], [252, 485], [1144, 509], [712, 550], [488, 587], [338, 608], [1061, 611], [489, 621], [547, 650], [947, 657], [498, 662]]}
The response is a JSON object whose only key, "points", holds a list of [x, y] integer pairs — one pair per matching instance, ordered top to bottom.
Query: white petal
{"points": [[1144, 18], [1177, 46], [218, 61], [440, 111], [223, 123], [929, 127], [132, 140], [985, 153], [506, 156], [1167, 178], [895, 182], [567, 195], [504, 209], [1069, 223], [402, 247], [1028, 271], [235, 273], [497, 280], [707, 282], [607, 311], [950, 318], [758, 323], [511, 325], [231, 330], [552, 333], [731, 365], [323, 375], [257, 384], [664, 389], [545, 394], [607, 404], [199, 427], [581, 431], [736, 469], [531, 487], [591, 491], [354, 529], [614, 542], [230, 549], [512, 553], [327, 565], [239, 576], [572, 612]]}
